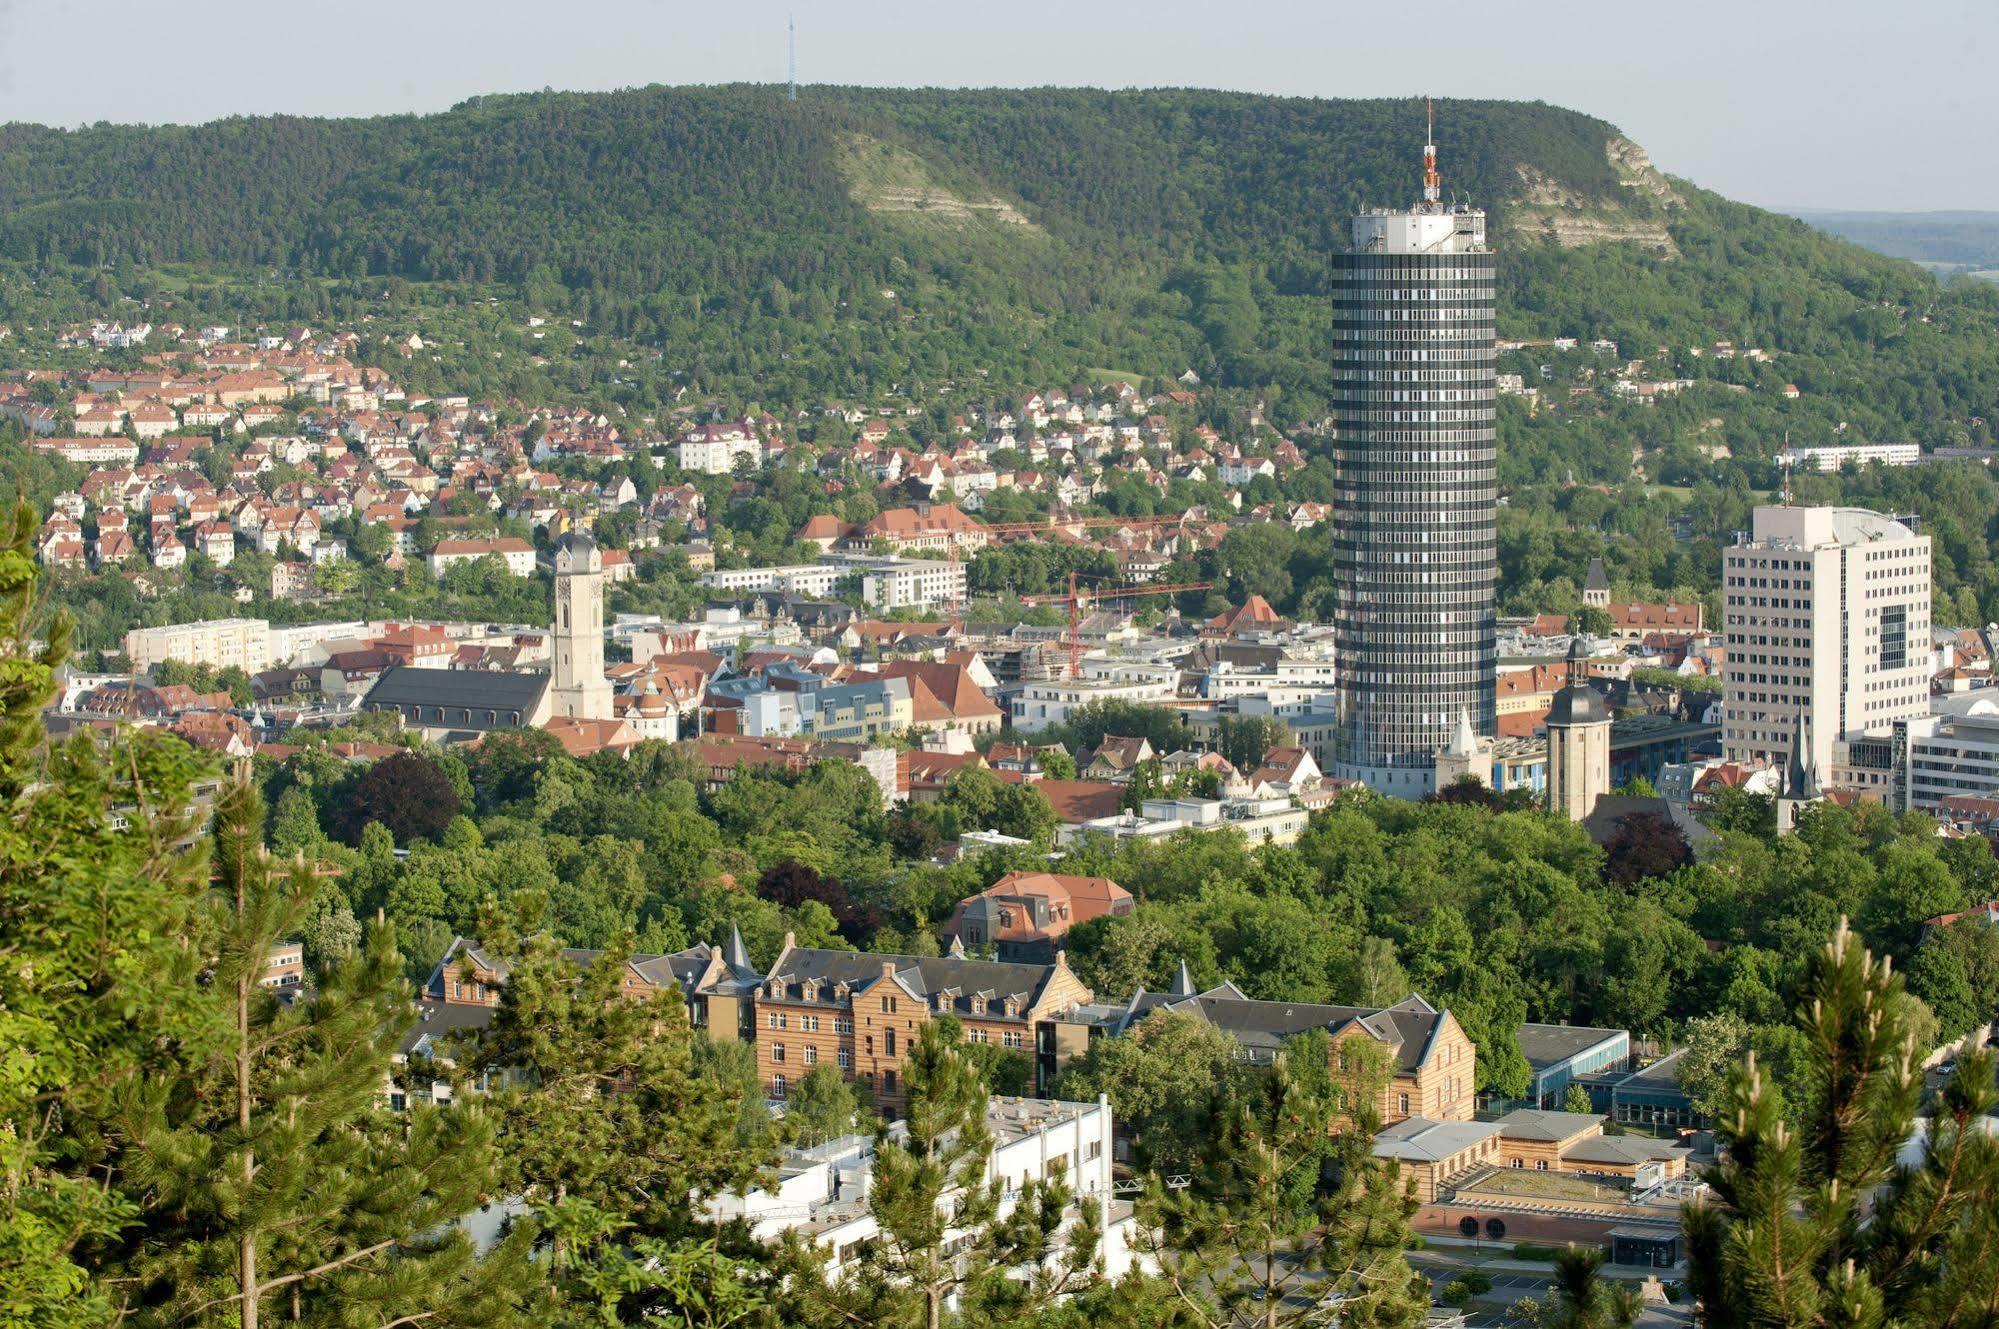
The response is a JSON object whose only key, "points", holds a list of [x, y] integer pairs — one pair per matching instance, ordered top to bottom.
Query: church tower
{"points": [[579, 688], [1578, 741], [1801, 779]]}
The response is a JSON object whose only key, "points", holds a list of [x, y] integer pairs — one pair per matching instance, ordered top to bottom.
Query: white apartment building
{"points": [[115, 450], [713, 450], [1832, 456], [517, 553], [811, 580], [885, 583], [913, 583], [1825, 610], [221, 642], [1039, 705], [823, 1192]]}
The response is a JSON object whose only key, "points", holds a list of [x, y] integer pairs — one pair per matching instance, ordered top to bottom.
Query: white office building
{"points": [[1825, 610], [1953, 753]]}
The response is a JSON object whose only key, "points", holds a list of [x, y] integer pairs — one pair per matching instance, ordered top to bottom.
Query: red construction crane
{"points": [[1075, 598]]}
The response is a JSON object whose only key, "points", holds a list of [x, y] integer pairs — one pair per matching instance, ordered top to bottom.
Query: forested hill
{"points": [[860, 238]]}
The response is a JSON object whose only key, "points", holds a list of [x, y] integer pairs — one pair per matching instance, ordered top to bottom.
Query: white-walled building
{"points": [[714, 449], [1832, 456], [517, 553], [813, 581], [886, 582], [913, 583], [1825, 610], [222, 642], [1039, 705], [1954, 752], [1261, 820], [822, 1193]]}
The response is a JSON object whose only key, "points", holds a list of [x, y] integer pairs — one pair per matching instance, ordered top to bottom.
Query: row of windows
{"points": [[1469, 334], [1415, 394], [1349, 446], [453, 715]]}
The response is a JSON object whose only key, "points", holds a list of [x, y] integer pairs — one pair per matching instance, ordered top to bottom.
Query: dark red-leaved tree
{"points": [[406, 793], [1644, 845], [791, 883]]}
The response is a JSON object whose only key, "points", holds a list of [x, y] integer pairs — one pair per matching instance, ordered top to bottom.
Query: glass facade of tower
{"points": [[1414, 543]]}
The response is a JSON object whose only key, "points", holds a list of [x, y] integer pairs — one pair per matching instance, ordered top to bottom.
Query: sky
{"points": [[1829, 104]]}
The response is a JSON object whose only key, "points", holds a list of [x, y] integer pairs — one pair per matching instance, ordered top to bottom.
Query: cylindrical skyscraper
{"points": [[1415, 557]]}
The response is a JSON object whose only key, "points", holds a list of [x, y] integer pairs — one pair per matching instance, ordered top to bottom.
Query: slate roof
{"points": [[466, 695], [962, 982], [1410, 1026]]}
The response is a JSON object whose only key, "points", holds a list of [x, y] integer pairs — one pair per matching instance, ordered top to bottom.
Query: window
{"points": [[776, 1020], [888, 1042], [777, 1052], [811, 1055], [844, 1059], [888, 1082], [777, 1086], [1403, 1104], [1517, 1163], [1540, 1165]]}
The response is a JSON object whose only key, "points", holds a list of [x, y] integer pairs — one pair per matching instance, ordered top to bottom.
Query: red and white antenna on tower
{"points": [[1433, 184]]}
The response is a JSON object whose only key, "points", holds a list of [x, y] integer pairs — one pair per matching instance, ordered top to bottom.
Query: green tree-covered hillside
{"points": [[859, 240]]}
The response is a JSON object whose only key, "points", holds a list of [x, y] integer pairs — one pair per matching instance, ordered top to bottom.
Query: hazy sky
{"points": [[1831, 104]]}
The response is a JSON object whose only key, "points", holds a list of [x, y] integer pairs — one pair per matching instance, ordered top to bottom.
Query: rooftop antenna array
{"points": [[1433, 184]]}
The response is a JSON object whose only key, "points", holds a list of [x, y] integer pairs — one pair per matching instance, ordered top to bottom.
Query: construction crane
{"points": [[1075, 599]]}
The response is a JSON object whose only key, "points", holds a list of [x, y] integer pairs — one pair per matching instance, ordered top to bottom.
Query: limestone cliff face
{"points": [[1547, 211]]}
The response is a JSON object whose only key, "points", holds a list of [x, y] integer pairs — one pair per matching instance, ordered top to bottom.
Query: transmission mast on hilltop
{"points": [[791, 33]]}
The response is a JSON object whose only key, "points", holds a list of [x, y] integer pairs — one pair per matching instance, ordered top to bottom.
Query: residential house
{"points": [[1025, 916]]}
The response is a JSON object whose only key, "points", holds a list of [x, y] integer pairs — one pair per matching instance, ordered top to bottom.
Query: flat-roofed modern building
{"points": [[1416, 489], [1826, 610], [1951, 754], [1558, 1053]]}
